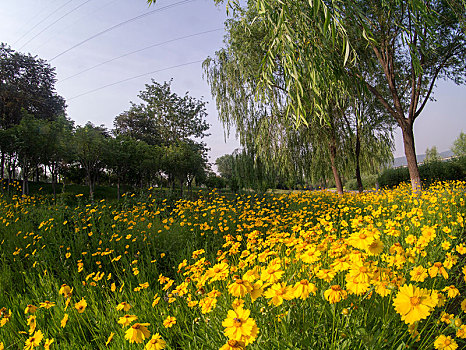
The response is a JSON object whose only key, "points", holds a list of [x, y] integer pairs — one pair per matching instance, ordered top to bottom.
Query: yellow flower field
{"points": [[308, 270]]}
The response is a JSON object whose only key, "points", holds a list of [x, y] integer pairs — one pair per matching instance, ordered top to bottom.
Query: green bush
{"points": [[454, 169], [368, 182]]}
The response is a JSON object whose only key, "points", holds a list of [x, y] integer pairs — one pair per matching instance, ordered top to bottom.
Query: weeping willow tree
{"points": [[313, 147]]}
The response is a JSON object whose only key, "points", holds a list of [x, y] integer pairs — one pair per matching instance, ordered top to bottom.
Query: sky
{"points": [[54, 30]]}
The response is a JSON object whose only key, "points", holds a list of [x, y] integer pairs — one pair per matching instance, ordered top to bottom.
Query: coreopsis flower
{"points": [[375, 248], [310, 255], [436, 269], [217, 272], [273, 272], [326, 274], [418, 274], [354, 286], [239, 288], [303, 288], [65, 290], [256, 290], [452, 291], [279, 292], [335, 294], [155, 301], [413, 303], [46, 304], [207, 304], [81, 305], [463, 305], [123, 306], [30, 309], [6, 315], [446, 317], [127, 319], [64, 320], [31, 322], [169, 322], [238, 326], [461, 331], [137, 333], [109, 339], [34, 341], [48, 343], [156, 343], [445, 343], [234, 345], [2, 346]]}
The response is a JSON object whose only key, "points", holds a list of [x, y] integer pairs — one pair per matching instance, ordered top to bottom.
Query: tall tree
{"points": [[410, 43], [26, 86], [163, 117], [89, 145], [459, 145]]}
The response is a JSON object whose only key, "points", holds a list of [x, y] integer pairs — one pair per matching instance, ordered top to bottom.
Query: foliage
{"points": [[26, 86], [163, 118], [459, 145], [432, 155], [430, 173], [325, 271]]}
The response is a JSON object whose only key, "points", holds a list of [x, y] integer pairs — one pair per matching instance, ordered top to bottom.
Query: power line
{"points": [[59, 19], [78, 20], [42, 21], [121, 24], [136, 51], [135, 77]]}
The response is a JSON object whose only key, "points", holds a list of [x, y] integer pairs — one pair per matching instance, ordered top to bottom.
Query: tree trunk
{"points": [[357, 153], [410, 153], [336, 175], [118, 188]]}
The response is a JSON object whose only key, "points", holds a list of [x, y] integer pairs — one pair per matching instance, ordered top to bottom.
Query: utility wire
{"points": [[59, 19], [42, 21], [121, 24], [70, 25], [136, 51], [135, 77]]}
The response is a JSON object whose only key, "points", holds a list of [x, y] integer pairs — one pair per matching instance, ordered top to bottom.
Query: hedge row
{"points": [[454, 169]]}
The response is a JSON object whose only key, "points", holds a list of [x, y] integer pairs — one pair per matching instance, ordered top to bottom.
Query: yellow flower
{"points": [[437, 268], [418, 274], [239, 288], [303, 288], [65, 290], [256, 290], [452, 291], [279, 292], [335, 294], [47, 304], [207, 304], [414, 304], [81, 305], [463, 305], [123, 306], [30, 309], [6, 315], [127, 319], [64, 320], [31, 321], [169, 322], [238, 326], [137, 333], [460, 333], [109, 339], [33, 341], [47, 343], [156, 343], [445, 343], [234, 345], [2, 346]]}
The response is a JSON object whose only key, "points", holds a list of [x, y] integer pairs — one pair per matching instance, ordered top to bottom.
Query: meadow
{"points": [[304, 270]]}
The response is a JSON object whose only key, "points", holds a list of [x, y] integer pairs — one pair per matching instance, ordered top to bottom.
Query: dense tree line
{"points": [[156, 142]]}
